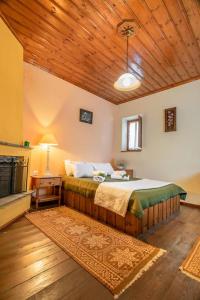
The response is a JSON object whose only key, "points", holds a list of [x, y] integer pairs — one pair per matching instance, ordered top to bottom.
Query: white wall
{"points": [[52, 105], [173, 156]]}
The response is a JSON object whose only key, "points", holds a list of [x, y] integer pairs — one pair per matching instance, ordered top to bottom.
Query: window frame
{"points": [[139, 120]]}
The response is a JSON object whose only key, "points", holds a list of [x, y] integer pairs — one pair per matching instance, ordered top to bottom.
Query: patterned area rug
{"points": [[114, 258], [191, 265]]}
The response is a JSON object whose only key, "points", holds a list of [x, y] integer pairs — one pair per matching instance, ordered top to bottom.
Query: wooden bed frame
{"points": [[130, 224]]}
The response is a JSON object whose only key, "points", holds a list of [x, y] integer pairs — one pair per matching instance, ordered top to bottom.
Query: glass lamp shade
{"points": [[127, 82], [48, 139]]}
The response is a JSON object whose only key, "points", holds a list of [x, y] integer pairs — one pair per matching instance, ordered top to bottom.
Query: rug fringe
{"points": [[143, 270], [188, 274]]}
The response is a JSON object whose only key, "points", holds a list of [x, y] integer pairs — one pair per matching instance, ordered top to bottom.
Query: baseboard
{"points": [[189, 204]]}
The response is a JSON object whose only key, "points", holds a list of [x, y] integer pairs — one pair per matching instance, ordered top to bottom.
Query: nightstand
{"points": [[128, 171], [46, 189]]}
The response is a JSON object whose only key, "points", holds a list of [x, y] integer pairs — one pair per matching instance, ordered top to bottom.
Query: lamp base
{"points": [[47, 173]]}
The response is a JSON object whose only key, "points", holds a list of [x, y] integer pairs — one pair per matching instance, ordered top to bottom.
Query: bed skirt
{"points": [[132, 225]]}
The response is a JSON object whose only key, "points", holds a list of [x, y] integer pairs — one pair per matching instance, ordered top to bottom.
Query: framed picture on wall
{"points": [[86, 116], [170, 119]]}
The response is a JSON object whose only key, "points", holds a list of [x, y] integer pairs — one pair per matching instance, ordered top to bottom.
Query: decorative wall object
{"points": [[86, 116], [170, 119]]}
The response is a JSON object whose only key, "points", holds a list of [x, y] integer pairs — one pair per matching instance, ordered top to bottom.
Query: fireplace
{"points": [[13, 175]]}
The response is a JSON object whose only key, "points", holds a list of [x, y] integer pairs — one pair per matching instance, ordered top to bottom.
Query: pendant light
{"points": [[127, 81]]}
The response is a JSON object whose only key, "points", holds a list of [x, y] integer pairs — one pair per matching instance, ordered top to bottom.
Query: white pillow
{"points": [[68, 167], [105, 167], [83, 170]]}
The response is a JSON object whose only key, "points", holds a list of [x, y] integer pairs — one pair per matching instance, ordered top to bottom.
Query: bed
{"points": [[146, 208]]}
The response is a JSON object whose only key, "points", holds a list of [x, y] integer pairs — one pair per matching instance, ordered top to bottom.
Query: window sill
{"points": [[136, 150]]}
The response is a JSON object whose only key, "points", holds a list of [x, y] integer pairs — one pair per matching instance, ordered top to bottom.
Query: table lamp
{"points": [[46, 142]]}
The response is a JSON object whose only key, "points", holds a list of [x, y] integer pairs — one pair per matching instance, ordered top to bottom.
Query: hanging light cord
{"points": [[127, 53]]}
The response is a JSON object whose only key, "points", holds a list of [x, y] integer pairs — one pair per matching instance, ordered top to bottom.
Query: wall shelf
{"points": [[2, 143]]}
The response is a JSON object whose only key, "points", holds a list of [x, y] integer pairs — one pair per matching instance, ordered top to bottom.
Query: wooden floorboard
{"points": [[33, 267]]}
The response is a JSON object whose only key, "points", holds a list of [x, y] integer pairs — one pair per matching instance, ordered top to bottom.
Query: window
{"points": [[132, 133]]}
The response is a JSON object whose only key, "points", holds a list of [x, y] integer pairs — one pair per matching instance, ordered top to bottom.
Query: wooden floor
{"points": [[33, 267]]}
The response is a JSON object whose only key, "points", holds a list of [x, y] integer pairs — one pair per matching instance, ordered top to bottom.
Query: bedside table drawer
{"points": [[50, 181], [47, 182]]}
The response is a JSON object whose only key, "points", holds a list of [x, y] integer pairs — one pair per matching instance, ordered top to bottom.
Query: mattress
{"points": [[139, 199]]}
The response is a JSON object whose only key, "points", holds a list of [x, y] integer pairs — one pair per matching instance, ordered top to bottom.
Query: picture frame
{"points": [[86, 116], [170, 119]]}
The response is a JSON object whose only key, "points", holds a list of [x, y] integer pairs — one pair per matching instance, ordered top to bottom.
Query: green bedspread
{"points": [[139, 200]]}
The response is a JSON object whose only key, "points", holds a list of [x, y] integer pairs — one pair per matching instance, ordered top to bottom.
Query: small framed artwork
{"points": [[86, 116], [170, 119]]}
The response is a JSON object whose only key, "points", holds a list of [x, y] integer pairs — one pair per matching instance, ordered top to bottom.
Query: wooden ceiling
{"points": [[77, 41]]}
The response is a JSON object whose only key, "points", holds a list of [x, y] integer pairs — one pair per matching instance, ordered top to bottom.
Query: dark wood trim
{"points": [[2, 143], [153, 215]]}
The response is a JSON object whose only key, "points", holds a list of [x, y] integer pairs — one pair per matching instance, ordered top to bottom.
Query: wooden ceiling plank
{"points": [[192, 10], [90, 13], [24, 21], [165, 21], [150, 24], [182, 24], [9, 26], [49, 27], [22, 29], [147, 35], [76, 40], [99, 45], [134, 49], [151, 49], [46, 52], [173, 55], [159, 58], [70, 60], [147, 67], [165, 72], [68, 76], [71, 76], [69, 79], [145, 84], [104, 87]]}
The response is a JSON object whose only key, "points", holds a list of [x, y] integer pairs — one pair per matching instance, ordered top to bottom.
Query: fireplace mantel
{"points": [[11, 198]]}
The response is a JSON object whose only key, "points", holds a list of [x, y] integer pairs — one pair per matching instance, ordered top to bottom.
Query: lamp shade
{"points": [[127, 82], [48, 139]]}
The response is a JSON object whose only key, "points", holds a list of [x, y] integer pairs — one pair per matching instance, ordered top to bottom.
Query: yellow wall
{"points": [[11, 86]]}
